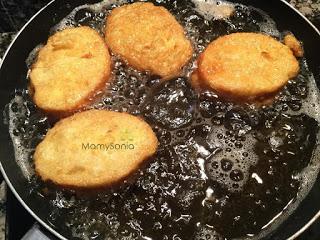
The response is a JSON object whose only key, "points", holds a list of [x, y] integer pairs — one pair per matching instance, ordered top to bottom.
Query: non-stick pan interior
{"points": [[13, 76]]}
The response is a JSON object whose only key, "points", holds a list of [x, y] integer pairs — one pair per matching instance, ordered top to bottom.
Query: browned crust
{"points": [[146, 54], [205, 76], [258, 101], [54, 114], [118, 166], [125, 180]]}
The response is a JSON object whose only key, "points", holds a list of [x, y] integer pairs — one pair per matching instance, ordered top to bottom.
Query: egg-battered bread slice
{"points": [[149, 38], [245, 66], [69, 70], [94, 149]]}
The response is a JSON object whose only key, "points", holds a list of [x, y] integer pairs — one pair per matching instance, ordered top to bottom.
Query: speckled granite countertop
{"points": [[15, 13]]}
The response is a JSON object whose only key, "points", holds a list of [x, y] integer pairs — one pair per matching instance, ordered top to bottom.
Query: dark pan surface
{"points": [[13, 72]]}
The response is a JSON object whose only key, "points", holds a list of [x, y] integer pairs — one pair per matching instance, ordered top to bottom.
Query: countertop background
{"points": [[15, 13]]}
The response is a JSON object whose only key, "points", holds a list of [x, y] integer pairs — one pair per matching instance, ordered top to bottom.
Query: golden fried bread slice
{"points": [[149, 38], [245, 66], [69, 70], [93, 149]]}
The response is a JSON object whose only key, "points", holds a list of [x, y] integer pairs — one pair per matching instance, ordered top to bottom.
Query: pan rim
{"points": [[303, 16], [12, 188], [317, 215], [53, 231]]}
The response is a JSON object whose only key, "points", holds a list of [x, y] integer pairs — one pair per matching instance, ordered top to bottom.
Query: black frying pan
{"points": [[13, 72]]}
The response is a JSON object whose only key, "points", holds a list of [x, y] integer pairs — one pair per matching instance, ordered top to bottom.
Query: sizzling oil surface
{"points": [[223, 170]]}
